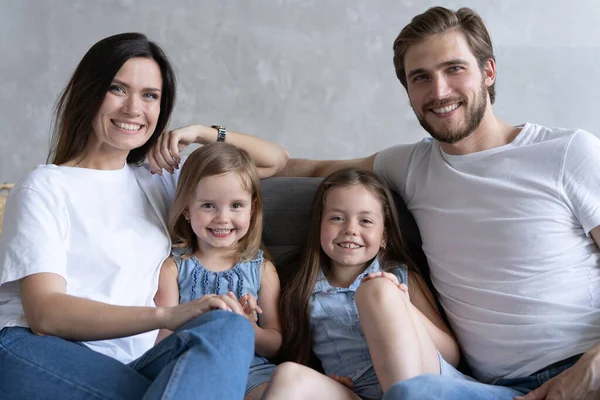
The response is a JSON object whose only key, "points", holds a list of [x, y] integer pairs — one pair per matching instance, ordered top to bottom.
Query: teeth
{"points": [[446, 109], [127, 127], [221, 231], [349, 245]]}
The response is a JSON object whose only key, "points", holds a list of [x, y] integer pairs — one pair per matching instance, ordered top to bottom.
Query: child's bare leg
{"points": [[400, 346], [293, 381], [257, 392]]}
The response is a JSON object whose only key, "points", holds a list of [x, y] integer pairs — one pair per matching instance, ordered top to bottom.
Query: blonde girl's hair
{"points": [[210, 160], [297, 290]]}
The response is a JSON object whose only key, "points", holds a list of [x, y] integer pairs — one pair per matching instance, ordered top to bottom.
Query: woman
{"points": [[85, 235]]}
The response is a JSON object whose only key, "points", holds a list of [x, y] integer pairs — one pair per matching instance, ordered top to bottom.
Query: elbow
{"points": [[282, 160], [40, 324]]}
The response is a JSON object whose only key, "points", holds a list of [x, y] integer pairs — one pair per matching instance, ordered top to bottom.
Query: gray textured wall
{"points": [[314, 75]]}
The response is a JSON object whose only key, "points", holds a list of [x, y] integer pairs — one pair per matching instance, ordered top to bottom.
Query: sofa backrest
{"points": [[287, 207]]}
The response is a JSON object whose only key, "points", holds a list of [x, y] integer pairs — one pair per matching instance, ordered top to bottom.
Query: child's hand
{"points": [[391, 277], [250, 307], [344, 380]]}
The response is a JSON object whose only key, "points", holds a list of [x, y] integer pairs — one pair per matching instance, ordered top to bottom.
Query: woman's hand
{"points": [[165, 153], [174, 317]]}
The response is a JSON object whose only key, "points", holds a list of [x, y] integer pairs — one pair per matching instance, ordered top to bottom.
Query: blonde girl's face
{"points": [[220, 211], [352, 226]]}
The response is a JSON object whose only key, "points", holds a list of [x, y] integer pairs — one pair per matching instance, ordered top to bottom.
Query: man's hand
{"points": [[580, 382]]}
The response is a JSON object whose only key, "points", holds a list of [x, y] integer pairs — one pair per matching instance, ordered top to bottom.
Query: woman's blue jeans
{"points": [[207, 358]]}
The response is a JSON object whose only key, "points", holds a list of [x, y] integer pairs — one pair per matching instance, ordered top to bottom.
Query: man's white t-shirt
{"points": [[103, 231], [506, 235]]}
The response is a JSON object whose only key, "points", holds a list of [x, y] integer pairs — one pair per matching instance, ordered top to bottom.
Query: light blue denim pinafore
{"points": [[195, 281], [337, 339]]}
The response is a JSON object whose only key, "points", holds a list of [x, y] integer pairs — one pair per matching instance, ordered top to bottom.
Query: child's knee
{"points": [[376, 292]]}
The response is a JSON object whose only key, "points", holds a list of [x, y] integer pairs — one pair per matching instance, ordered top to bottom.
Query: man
{"points": [[509, 216]]}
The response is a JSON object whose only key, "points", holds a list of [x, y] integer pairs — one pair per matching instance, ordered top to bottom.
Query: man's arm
{"points": [[322, 168]]}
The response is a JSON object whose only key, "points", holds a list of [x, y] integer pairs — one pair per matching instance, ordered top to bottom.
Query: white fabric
{"points": [[104, 232], [505, 232]]}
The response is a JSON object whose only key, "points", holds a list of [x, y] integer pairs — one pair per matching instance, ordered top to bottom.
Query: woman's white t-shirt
{"points": [[103, 231]]}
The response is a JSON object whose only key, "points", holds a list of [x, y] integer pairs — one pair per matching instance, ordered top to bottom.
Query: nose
{"points": [[439, 87], [132, 105], [222, 216], [351, 228]]}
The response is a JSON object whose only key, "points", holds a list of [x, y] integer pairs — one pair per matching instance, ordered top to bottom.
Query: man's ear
{"points": [[489, 72]]}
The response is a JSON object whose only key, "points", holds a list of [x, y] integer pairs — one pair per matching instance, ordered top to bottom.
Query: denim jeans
{"points": [[207, 358], [425, 387]]}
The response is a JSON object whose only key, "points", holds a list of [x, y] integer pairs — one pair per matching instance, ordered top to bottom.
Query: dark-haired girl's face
{"points": [[130, 110], [352, 226]]}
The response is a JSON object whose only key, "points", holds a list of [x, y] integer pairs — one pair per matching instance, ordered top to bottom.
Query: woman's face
{"points": [[128, 115]]}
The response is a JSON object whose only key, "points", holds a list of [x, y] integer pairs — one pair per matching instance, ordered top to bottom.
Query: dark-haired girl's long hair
{"points": [[297, 290]]}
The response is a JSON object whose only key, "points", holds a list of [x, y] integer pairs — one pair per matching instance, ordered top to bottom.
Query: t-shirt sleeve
{"points": [[391, 165], [580, 179], [33, 236]]}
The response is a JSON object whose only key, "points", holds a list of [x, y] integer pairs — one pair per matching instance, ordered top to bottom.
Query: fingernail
{"points": [[152, 172], [229, 309]]}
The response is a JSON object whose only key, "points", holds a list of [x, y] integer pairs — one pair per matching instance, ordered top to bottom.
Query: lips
{"points": [[127, 126], [220, 233]]}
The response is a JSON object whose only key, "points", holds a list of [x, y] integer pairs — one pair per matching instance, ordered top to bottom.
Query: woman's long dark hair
{"points": [[82, 98], [297, 290]]}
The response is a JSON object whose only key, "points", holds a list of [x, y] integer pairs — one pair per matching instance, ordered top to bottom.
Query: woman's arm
{"points": [[269, 157], [167, 294], [426, 310], [50, 311], [268, 334]]}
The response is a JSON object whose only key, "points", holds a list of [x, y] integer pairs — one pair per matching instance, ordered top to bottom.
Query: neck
{"points": [[492, 132], [95, 158], [216, 259], [344, 275]]}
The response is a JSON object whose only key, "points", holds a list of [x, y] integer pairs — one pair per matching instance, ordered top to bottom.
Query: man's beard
{"points": [[473, 117]]}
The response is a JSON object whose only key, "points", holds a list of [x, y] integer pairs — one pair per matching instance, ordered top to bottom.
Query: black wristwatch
{"points": [[221, 132]]}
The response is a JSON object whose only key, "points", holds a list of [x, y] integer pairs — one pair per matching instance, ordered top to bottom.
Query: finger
{"points": [[165, 149], [174, 149], [159, 153], [152, 161], [391, 277], [403, 287], [232, 295], [214, 303], [233, 304], [258, 309], [537, 394]]}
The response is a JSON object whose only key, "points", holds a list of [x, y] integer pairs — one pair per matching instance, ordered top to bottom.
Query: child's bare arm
{"points": [[167, 294], [424, 303], [268, 334]]}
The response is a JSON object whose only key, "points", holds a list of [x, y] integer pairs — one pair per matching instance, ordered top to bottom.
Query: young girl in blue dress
{"points": [[216, 224], [354, 264]]}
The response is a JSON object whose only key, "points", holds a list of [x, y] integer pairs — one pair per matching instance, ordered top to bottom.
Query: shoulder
{"points": [[46, 182]]}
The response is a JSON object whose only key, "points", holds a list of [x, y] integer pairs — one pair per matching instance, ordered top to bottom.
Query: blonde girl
{"points": [[216, 224]]}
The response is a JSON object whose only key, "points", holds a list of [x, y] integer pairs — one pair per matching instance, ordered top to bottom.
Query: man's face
{"points": [[446, 86]]}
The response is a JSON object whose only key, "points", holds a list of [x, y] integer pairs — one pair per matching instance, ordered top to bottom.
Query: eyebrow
{"points": [[456, 61], [146, 89], [338, 210]]}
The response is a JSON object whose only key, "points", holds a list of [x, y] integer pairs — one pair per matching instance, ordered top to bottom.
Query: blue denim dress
{"points": [[194, 281], [337, 339]]}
